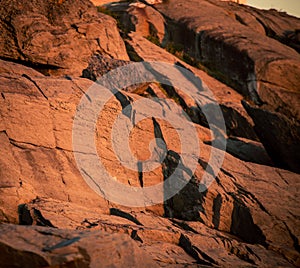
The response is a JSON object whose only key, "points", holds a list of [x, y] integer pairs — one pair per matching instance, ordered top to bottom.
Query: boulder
{"points": [[57, 37]]}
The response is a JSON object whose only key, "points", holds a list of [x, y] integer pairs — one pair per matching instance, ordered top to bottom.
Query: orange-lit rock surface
{"points": [[51, 54]]}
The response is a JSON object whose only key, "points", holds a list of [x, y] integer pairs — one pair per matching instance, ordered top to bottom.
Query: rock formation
{"points": [[57, 37], [51, 52]]}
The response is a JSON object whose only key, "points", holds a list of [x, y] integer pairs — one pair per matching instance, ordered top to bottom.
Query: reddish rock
{"points": [[142, 19], [221, 35], [57, 38], [238, 122], [240, 201], [247, 217], [37, 246]]}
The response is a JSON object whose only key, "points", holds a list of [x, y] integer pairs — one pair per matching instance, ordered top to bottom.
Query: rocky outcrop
{"points": [[142, 19], [57, 37], [238, 44], [248, 49], [238, 122], [240, 201], [49, 216], [39, 247]]}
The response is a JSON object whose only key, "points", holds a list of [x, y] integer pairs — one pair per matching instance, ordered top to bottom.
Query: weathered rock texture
{"points": [[142, 19], [58, 37], [241, 44], [244, 47], [250, 49], [253, 51], [39, 162], [248, 217], [40, 247]]}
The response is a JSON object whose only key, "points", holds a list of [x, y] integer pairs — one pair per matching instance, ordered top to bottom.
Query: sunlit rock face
{"points": [[52, 52]]}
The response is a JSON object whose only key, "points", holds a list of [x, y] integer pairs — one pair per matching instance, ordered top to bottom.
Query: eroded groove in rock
{"points": [[44, 69], [31, 80], [279, 134], [187, 203], [216, 209], [120, 213], [32, 216], [184, 225], [243, 226], [134, 235], [62, 244], [186, 244]]}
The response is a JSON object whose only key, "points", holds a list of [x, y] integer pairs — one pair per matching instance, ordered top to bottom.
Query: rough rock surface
{"points": [[142, 19], [57, 37], [240, 44], [247, 48], [100, 65], [238, 122], [280, 135], [42, 188], [248, 217], [39, 247]]}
